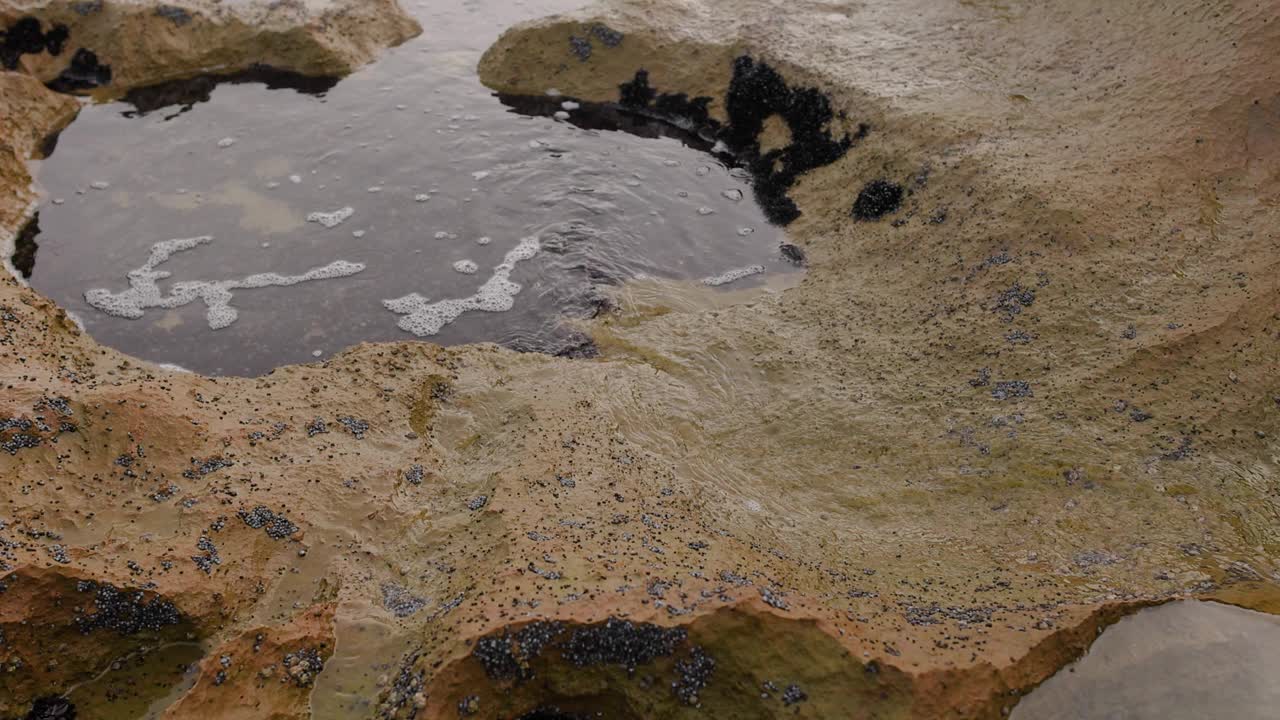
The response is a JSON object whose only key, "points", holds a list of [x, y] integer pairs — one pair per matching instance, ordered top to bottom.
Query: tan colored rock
{"points": [[146, 42], [806, 482], [266, 672]]}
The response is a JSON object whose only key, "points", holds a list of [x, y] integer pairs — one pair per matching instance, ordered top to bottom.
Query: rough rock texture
{"points": [[143, 42], [1040, 393]]}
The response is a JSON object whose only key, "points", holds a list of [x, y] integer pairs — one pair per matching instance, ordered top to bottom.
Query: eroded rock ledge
{"points": [[1032, 391]]}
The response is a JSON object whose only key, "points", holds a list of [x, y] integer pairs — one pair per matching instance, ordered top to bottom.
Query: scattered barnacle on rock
{"points": [[607, 35], [580, 47], [84, 73], [877, 199], [1013, 300], [1129, 333], [983, 379], [1009, 389], [58, 404], [1139, 415], [355, 426], [316, 427], [1182, 451], [206, 466], [415, 474], [566, 481], [477, 502], [277, 526], [59, 554], [210, 557], [1095, 557], [544, 573], [773, 598], [400, 601], [127, 612], [933, 614], [621, 642], [507, 656], [303, 665], [693, 674], [793, 694], [468, 706], [53, 707]]}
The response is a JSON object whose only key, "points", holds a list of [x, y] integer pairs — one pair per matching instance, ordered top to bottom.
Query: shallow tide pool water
{"points": [[233, 227], [1187, 660]]}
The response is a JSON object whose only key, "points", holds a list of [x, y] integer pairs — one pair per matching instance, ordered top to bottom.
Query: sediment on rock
{"points": [[112, 47], [925, 477]]}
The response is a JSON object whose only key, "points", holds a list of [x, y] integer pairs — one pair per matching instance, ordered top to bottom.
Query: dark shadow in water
{"points": [[186, 94], [613, 117], [25, 247]]}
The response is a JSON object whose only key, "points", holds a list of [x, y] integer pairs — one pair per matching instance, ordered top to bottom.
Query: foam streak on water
{"points": [[733, 275], [144, 288], [497, 294]]}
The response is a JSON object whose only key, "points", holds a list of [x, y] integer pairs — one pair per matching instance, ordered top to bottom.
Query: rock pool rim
{"points": [[658, 116]]}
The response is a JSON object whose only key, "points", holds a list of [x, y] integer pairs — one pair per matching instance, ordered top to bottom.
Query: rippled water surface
{"points": [[453, 197], [1183, 661]]}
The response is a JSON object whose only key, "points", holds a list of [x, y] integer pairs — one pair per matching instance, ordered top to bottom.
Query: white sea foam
{"points": [[569, 105], [561, 115], [226, 142], [480, 175], [100, 185], [733, 194], [421, 197], [331, 219], [466, 267], [729, 276], [144, 289], [497, 294]]}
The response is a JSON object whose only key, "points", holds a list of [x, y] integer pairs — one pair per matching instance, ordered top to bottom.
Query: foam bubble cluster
{"points": [[331, 219], [733, 275], [144, 289], [497, 294]]}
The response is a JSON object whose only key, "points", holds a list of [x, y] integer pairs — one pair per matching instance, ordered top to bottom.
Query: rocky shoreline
{"points": [[1031, 390]]}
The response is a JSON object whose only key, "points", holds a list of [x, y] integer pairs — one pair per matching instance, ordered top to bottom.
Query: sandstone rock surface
{"points": [[1039, 391]]}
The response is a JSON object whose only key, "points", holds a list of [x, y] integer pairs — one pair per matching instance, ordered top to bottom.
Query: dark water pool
{"points": [[231, 227]]}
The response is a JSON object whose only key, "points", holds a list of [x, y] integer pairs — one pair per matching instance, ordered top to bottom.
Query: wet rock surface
{"points": [[810, 489]]}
